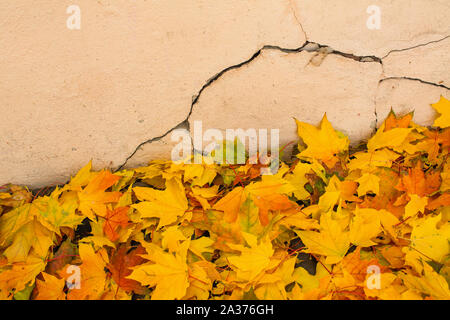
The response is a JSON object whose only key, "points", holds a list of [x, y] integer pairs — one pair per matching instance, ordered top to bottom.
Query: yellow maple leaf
{"points": [[443, 108], [387, 139], [324, 143], [432, 143], [410, 145], [370, 160], [199, 174], [445, 177], [81, 179], [298, 180], [368, 183], [285, 186], [337, 192], [202, 195], [167, 205], [415, 205], [54, 215], [15, 219], [248, 219], [300, 220], [388, 222], [365, 225], [32, 235], [171, 238], [332, 241], [428, 242], [201, 245], [253, 259], [167, 272], [20, 274], [92, 274], [309, 281], [431, 283], [200, 284], [272, 286], [314, 286], [51, 288], [387, 289]]}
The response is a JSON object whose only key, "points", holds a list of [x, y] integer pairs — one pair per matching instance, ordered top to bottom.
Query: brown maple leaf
{"points": [[120, 267]]}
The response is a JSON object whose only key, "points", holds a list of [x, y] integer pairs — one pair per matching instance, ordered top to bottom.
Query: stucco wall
{"points": [[114, 89]]}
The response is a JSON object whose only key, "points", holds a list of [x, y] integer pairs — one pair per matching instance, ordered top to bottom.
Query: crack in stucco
{"points": [[295, 14], [308, 46], [416, 46], [402, 78], [415, 79], [376, 117], [184, 124]]}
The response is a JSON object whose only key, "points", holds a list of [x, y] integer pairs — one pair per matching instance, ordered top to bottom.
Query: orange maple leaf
{"points": [[393, 121], [434, 140], [417, 182], [93, 198], [442, 201], [271, 202], [231, 203], [113, 220]]}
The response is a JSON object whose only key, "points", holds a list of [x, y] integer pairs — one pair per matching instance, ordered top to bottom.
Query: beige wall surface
{"points": [[113, 89]]}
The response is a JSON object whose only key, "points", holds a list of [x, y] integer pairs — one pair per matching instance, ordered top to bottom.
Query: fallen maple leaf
{"points": [[442, 107], [324, 143], [416, 182], [93, 198], [231, 203], [166, 205], [113, 220], [331, 241], [253, 259], [121, 265], [92, 272], [168, 273], [51, 288]]}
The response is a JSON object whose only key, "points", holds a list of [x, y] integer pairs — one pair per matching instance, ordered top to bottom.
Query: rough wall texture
{"points": [[114, 90]]}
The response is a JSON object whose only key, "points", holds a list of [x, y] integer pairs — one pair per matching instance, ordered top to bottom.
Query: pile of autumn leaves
{"points": [[205, 231]]}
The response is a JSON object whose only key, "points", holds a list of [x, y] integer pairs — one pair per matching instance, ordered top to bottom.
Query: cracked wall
{"points": [[114, 90]]}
